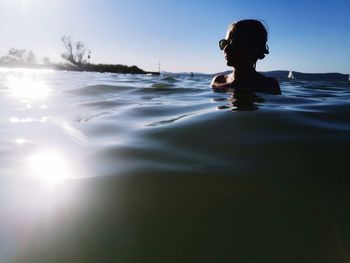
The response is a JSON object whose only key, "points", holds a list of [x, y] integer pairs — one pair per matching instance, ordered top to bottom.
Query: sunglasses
{"points": [[224, 43]]}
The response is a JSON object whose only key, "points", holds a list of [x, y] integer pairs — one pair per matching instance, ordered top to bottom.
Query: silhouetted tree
{"points": [[76, 52], [18, 56], [31, 59], [46, 61]]}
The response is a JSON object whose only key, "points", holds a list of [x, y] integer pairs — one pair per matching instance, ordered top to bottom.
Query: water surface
{"points": [[135, 168]]}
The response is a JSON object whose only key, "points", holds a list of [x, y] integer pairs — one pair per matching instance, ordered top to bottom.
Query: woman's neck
{"points": [[244, 74]]}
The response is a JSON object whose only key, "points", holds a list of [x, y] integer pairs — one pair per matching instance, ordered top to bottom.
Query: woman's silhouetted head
{"points": [[245, 43]]}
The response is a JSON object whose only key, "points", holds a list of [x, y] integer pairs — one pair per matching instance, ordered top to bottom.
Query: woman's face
{"points": [[238, 53]]}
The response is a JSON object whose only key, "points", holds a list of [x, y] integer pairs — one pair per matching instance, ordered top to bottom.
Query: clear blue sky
{"points": [[308, 36]]}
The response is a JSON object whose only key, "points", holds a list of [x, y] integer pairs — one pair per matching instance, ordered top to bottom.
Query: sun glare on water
{"points": [[26, 88], [49, 166]]}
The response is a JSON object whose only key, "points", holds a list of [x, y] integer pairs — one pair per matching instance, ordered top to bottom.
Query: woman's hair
{"points": [[252, 32]]}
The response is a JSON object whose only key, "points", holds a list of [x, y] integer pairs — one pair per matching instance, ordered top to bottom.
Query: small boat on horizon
{"points": [[290, 75]]}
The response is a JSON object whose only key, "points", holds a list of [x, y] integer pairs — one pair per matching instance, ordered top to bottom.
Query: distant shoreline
{"points": [[101, 68], [123, 69], [283, 75]]}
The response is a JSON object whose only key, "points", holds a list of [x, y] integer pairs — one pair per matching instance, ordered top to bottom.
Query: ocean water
{"points": [[136, 168]]}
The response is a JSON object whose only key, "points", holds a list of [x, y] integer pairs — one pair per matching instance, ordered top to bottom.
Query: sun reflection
{"points": [[27, 88], [28, 119], [20, 141], [49, 166]]}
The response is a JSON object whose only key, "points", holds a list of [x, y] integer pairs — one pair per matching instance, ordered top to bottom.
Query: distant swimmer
{"points": [[244, 44], [191, 74]]}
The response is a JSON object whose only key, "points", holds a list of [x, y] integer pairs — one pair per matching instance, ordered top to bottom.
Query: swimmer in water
{"points": [[244, 45]]}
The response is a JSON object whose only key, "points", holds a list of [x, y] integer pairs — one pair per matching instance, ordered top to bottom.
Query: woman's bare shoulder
{"points": [[219, 79], [221, 82], [271, 85], [274, 85]]}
